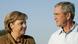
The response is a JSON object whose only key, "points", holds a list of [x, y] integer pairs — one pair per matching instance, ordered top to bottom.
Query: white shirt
{"points": [[60, 37]]}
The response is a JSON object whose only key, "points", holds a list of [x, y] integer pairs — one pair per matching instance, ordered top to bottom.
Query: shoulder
{"points": [[56, 33], [54, 36], [3, 38], [29, 38]]}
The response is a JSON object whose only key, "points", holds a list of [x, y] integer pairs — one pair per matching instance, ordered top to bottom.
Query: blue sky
{"points": [[41, 22]]}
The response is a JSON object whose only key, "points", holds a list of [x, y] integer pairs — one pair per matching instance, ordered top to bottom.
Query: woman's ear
{"points": [[11, 25]]}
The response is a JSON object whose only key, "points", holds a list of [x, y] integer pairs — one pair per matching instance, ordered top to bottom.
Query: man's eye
{"points": [[55, 14]]}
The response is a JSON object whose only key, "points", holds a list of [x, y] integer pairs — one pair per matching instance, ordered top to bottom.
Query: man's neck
{"points": [[68, 26]]}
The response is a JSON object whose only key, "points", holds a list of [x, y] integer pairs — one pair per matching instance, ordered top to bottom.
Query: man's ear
{"points": [[68, 16], [11, 25]]}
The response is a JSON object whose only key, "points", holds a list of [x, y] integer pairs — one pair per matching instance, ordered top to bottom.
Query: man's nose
{"points": [[55, 17]]}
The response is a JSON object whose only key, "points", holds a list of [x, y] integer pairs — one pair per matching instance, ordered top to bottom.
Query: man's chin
{"points": [[59, 25]]}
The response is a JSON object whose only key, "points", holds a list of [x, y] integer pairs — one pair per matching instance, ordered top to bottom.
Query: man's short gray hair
{"points": [[67, 7]]}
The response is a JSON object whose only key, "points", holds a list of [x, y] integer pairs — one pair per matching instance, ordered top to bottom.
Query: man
{"points": [[15, 25], [67, 33]]}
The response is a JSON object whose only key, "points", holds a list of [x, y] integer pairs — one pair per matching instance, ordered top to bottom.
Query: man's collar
{"points": [[71, 29]]}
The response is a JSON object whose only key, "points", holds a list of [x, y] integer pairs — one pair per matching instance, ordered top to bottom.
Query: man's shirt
{"points": [[60, 37]]}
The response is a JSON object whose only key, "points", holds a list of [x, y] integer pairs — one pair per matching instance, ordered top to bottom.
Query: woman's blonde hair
{"points": [[13, 16]]}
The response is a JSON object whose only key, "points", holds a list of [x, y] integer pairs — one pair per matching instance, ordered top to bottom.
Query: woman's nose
{"points": [[24, 25]]}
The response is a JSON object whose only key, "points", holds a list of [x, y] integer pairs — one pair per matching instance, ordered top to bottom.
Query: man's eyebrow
{"points": [[55, 13]]}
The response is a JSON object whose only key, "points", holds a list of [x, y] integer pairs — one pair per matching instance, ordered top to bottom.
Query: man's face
{"points": [[59, 16], [19, 27]]}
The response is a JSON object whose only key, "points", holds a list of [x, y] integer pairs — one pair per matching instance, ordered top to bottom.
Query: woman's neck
{"points": [[15, 36]]}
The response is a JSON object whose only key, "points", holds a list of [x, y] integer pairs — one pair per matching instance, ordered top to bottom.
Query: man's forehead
{"points": [[57, 9]]}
